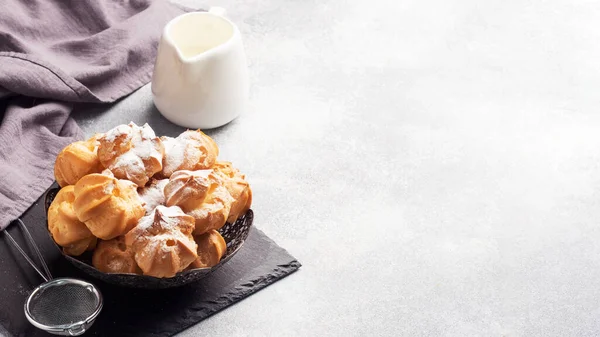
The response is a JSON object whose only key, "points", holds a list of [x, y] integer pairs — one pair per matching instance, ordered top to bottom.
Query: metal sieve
{"points": [[62, 306]]}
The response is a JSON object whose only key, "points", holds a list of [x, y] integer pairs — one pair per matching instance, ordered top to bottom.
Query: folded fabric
{"points": [[54, 54]]}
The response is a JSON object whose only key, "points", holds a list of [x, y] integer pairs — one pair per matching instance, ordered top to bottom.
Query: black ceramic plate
{"points": [[234, 234]]}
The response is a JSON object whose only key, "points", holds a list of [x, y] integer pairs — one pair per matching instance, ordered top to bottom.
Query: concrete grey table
{"points": [[434, 164]]}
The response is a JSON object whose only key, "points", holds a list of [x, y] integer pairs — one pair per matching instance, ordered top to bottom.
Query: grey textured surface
{"points": [[434, 164]]}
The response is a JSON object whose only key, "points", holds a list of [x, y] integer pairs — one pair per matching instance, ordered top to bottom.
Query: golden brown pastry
{"points": [[191, 150], [131, 152], [77, 160], [238, 187], [187, 189], [153, 194], [201, 194], [109, 207], [214, 210], [66, 230], [162, 242], [78, 248], [211, 248], [114, 256]]}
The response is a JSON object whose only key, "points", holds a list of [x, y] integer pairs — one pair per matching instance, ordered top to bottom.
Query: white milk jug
{"points": [[200, 76]]}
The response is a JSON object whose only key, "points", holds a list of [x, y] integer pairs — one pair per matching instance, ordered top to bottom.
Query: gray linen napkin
{"points": [[53, 54]]}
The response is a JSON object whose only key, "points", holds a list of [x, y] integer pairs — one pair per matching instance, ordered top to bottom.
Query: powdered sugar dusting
{"points": [[118, 131], [147, 131], [142, 147], [174, 153], [129, 160], [153, 195], [170, 211], [165, 217], [146, 222], [160, 241]]}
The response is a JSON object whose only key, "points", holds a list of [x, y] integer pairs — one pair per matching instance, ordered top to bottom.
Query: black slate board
{"points": [[132, 312]]}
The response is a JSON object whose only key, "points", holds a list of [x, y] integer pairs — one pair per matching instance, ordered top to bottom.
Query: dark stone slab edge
{"points": [[247, 289]]}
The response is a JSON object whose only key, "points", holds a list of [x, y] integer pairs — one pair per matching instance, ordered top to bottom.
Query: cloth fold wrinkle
{"points": [[53, 56]]}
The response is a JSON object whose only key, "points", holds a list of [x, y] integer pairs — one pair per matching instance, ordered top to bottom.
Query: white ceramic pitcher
{"points": [[200, 76]]}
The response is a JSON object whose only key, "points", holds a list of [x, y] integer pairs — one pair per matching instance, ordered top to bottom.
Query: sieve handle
{"points": [[37, 250], [47, 277], [77, 330]]}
